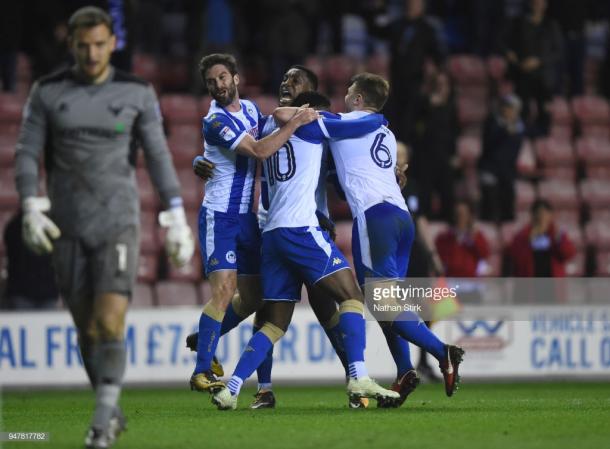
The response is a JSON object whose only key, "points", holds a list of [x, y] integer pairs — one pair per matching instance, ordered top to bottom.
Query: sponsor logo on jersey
{"points": [[115, 109], [216, 124], [226, 134], [231, 257]]}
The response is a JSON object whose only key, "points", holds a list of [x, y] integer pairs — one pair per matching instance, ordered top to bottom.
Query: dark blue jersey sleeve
{"points": [[220, 130]]}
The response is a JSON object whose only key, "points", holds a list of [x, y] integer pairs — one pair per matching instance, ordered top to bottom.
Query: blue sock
{"points": [[230, 321], [410, 327], [352, 328], [209, 332], [336, 340], [399, 348], [257, 349], [263, 371]]}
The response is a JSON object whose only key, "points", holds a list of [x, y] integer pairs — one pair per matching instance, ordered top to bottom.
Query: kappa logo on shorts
{"points": [[231, 257], [336, 261], [213, 262]]}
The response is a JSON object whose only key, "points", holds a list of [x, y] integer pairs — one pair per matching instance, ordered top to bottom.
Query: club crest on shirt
{"points": [[226, 134]]}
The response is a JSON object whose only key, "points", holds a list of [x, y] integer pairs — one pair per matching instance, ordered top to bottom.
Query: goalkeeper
{"points": [[86, 119]]}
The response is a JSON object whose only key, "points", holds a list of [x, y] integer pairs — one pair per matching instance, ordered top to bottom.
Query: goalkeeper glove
{"points": [[38, 230], [179, 243]]}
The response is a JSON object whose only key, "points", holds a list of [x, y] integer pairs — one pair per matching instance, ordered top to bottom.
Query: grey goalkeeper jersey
{"points": [[87, 133]]}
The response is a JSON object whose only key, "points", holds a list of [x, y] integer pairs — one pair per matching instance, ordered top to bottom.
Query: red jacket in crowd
{"points": [[461, 256], [522, 256]]}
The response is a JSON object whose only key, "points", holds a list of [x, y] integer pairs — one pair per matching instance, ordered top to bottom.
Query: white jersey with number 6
{"points": [[366, 168]]}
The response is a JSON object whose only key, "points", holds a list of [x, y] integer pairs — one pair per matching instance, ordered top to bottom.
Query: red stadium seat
{"points": [[316, 64], [379, 64], [146, 66], [496, 67], [467, 69], [339, 70], [174, 74], [266, 103], [11, 106], [203, 106], [178, 108], [591, 110], [470, 111], [560, 112], [596, 131], [560, 132], [185, 142], [7, 150], [469, 150], [593, 151], [554, 152], [526, 163], [598, 172], [562, 173], [191, 187], [525, 193], [595, 193], [561, 194], [9, 199], [149, 200], [598, 214], [567, 217], [573, 231], [148, 232], [597, 234], [492, 235], [148, 267], [575, 267], [602, 268], [192, 271], [173, 293], [142, 296]]}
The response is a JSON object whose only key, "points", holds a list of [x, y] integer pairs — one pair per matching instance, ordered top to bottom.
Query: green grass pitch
{"points": [[527, 415]]}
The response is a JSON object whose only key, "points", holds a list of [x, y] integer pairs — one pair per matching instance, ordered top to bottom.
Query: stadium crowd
{"points": [[502, 105]]}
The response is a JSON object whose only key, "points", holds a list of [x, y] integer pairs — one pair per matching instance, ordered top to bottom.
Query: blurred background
{"points": [[500, 103]]}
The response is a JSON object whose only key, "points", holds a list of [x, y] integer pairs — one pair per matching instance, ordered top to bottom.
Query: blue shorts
{"points": [[229, 241], [381, 242], [293, 256]]}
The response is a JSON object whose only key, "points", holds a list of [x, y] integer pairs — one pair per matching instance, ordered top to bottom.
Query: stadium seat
{"points": [[378, 63], [316, 64], [146, 66], [496, 67], [467, 69], [339, 70], [175, 75], [266, 103], [337, 104], [11, 106], [203, 106], [179, 108], [591, 110], [470, 112], [560, 112], [597, 131], [560, 132], [185, 142], [7, 150], [468, 150], [593, 151], [554, 152], [526, 162], [598, 172], [563, 173], [192, 188], [560, 193], [595, 193], [525, 194], [9, 199], [149, 200], [598, 214], [568, 217], [573, 230], [148, 232], [597, 234], [492, 235], [148, 267], [575, 267], [602, 268], [191, 272], [205, 291], [173, 293], [142, 296]]}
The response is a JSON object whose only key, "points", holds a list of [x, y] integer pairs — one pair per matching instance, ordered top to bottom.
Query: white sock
{"points": [[357, 370], [234, 385], [264, 386]]}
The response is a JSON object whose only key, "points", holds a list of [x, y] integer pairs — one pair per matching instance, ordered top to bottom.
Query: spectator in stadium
{"points": [[413, 42], [533, 48], [85, 119], [503, 135], [434, 143], [463, 248], [541, 248], [30, 281]]}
